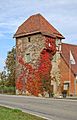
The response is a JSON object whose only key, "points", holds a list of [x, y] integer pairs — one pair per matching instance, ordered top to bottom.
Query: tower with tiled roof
{"points": [[30, 42]]}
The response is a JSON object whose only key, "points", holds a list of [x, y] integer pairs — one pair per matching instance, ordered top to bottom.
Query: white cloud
{"points": [[60, 13], [1, 34]]}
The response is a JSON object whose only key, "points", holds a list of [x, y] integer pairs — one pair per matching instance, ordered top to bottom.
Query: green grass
{"points": [[16, 114]]}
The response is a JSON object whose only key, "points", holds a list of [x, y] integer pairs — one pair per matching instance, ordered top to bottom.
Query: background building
{"points": [[68, 68]]}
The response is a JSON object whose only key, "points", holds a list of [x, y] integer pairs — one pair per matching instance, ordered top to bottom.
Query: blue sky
{"points": [[62, 14]]}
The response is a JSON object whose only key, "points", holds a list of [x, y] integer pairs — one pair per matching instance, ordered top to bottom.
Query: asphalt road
{"points": [[53, 109]]}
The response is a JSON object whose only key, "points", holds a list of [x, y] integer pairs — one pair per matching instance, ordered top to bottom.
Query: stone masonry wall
{"points": [[32, 45]]}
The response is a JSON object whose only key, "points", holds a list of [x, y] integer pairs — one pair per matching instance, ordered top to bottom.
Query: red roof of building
{"points": [[37, 23], [66, 48]]}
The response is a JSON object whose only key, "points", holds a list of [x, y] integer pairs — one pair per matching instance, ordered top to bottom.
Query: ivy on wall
{"points": [[37, 80]]}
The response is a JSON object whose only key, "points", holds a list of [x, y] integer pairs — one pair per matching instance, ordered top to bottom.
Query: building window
{"points": [[29, 39], [58, 45], [27, 57], [72, 60], [66, 86]]}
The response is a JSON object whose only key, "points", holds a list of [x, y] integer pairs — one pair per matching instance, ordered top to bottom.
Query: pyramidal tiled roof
{"points": [[37, 23], [66, 48]]}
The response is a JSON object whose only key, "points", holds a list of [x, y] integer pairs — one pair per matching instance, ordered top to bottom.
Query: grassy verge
{"points": [[15, 114]]}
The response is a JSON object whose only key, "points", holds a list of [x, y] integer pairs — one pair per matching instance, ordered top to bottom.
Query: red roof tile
{"points": [[37, 23], [66, 48]]}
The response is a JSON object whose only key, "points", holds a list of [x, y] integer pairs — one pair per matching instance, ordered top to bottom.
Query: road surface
{"points": [[53, 109]]}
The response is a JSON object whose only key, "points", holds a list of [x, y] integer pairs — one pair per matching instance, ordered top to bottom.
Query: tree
{"points": [[10, 66], [2, 80]]}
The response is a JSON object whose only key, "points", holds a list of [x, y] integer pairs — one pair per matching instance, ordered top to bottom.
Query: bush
{"points": [[7, 90]]}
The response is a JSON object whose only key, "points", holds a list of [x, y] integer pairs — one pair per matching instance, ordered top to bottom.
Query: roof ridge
{"points": [[70, 44]]}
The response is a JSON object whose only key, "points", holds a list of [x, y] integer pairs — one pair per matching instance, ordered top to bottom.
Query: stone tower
{"points": [[35, 46]]}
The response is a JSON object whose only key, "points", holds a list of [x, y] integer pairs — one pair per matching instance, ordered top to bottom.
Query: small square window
{"points": [[29, 39], [27, 57]]}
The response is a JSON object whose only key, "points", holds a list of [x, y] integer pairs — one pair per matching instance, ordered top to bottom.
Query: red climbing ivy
{"points": [[37, 79]]}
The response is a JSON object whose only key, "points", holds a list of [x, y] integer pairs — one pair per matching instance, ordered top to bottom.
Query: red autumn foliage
{"points": [[50, 45], [45, 63], [19, 83], [34, 84]]}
